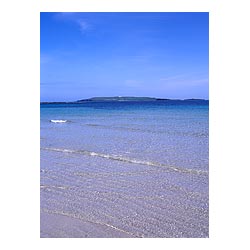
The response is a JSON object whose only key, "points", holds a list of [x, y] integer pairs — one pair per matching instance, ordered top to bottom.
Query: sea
{"points": [[121, 169]]}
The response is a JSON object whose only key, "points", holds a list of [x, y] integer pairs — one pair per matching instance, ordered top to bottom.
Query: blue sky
{"points": [[123, 54]]}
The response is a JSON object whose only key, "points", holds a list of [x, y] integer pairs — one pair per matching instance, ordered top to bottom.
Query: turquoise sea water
{"points": [[125, 169]]}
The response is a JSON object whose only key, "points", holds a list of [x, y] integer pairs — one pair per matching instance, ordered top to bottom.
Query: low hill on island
{"points": [[120, 98]]}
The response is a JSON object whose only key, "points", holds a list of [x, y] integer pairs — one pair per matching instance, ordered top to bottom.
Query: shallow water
{"points": [[126, 169]]}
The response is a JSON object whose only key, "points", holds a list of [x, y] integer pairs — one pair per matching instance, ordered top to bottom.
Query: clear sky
{"points": [[154, 54]]}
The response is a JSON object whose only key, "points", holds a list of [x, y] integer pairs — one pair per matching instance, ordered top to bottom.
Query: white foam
{"points": [[58, 121], [129, 160]]}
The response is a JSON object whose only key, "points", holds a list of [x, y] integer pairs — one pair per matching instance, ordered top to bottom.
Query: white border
{"points": [[20, 85]]}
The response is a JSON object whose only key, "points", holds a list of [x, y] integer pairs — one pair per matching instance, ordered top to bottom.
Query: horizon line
{"points": [[159, 98]]}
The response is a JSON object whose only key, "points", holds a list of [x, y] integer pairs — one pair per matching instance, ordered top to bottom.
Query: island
{"points": [[119, 99], [128, 99]]}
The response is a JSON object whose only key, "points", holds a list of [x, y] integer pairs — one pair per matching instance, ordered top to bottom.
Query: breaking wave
{"points": [[58, 121]]}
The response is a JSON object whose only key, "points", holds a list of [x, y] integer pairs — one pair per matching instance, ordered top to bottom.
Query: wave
{"points": [[58, 121], [128, 160]]}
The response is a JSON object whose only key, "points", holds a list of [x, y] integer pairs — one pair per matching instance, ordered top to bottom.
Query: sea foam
{"points": [[58, 121], [128, 160]]}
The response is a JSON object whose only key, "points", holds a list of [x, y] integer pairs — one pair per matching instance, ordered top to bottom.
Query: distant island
{"points": [[119, 99], [125, 99]]}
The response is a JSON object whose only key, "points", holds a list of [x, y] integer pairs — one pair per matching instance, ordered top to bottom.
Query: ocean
{"points": [[125, 169]]}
